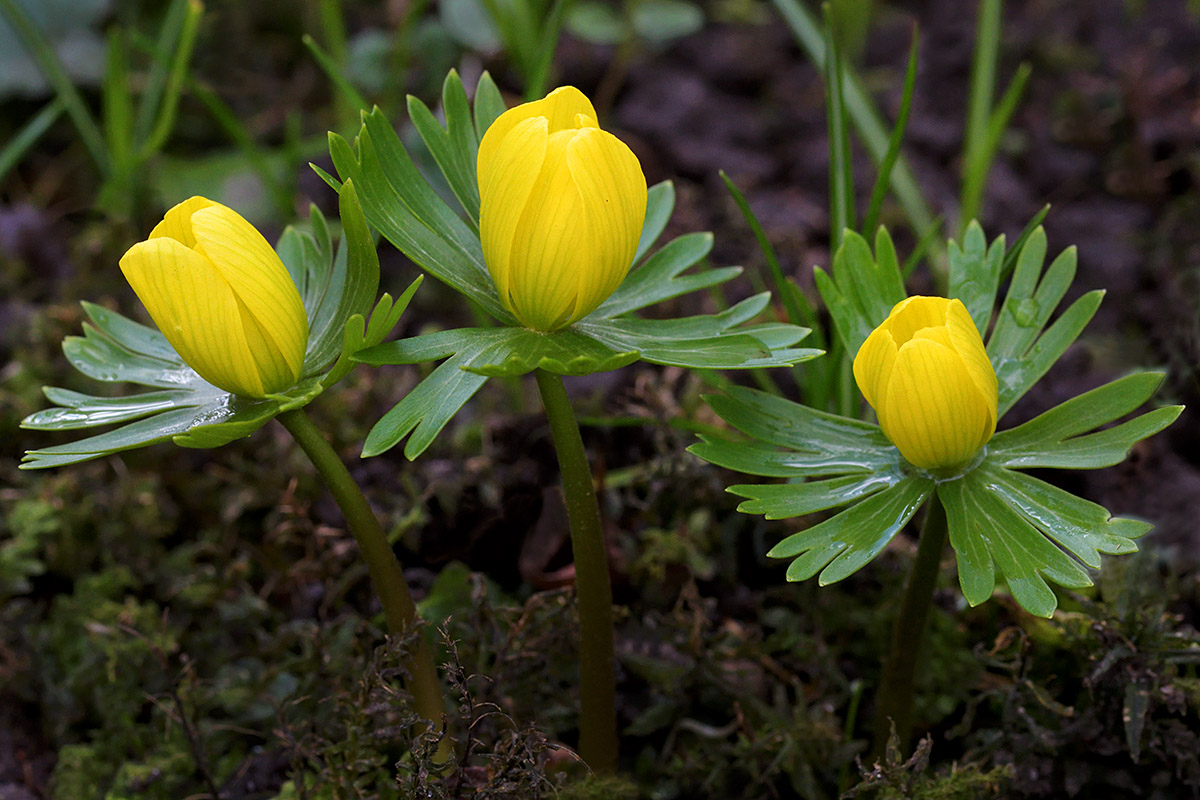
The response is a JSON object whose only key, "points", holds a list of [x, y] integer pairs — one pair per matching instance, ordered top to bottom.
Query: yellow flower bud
{"points": [[561, 209], [222, 298], [928, 377]]}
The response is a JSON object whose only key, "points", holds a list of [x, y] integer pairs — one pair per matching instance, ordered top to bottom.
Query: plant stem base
{"points": [[598, 690], [894, 700]]}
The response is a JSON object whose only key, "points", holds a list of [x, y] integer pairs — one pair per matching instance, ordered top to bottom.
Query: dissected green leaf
{"points": [[489, 104], [454, 146], [393, 201], [660, 202], [975, 274], [658, 278], [350, 285], [863, 287], [358, 334], [517, 351], [1020, 352], [426, 409], [88, 411], [1054, 438], [848, 445], [784, 500], [1082, 527], [1031, 531], [987, 532], [844, 543]]}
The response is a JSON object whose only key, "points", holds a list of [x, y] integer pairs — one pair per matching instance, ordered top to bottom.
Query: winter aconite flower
{"points": [[561, 209], [221, 297], [928, 377]]}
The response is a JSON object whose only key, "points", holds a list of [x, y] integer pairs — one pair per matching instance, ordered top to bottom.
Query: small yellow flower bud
{"points": [[561, 209], [222, 298], [928, 377]]}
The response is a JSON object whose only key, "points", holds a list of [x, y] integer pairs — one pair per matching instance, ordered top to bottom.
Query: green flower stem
{"points": [[382, 563], [598, 690], [894, 700]]}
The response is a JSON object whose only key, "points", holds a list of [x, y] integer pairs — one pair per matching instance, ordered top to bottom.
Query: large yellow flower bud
{"points": [[561, 209], [219, 293], [928, 377]]}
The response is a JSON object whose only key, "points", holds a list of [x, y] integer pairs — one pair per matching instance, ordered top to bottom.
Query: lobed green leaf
{"points": [[455, 146], [975, 271], [863, 287], [1054, 438], [784, 500], [986, 532], [844, 543]]}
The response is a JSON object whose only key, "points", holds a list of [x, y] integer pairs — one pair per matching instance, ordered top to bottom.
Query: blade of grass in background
{"points": [[333, 29], [56, 74], [539, 74], [156, 78], [345, 89], [117, 101], [163, 104], [979, 104], [866, 118], [228, 120], [985, 123], [28, 135], [841, 163], [978, 164], [883, 180], [841, 192], [923, 244], [1010, 257], [796, 305], [814, 380]]}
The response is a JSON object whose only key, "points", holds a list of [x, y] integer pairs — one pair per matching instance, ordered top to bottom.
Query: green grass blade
{"points": [[181, 57], [539, 73], [56, 74], [156, 78], [346, 90], [117, 103], [979, 108], [866, 118], [27, 137], [841, 165], [978, 168], [883, 180], [927, 241], [797, 307]]}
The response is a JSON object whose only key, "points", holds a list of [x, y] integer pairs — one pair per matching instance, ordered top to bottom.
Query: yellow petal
{"points": [[560, 108], [612, 191], [504, 192], [177, 222], [548, 249], [262, 286], [196, 310], [911, 315], [969, 346], [873, 365], [932, 411]]}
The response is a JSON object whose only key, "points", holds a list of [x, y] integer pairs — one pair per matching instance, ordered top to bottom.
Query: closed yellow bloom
{"points": [[561, 209], [222, 298], [929, 379]]}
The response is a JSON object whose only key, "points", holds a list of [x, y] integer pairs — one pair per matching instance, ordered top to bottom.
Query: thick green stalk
{"points": [[382, 563], [597, 680], [894, 700]]}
